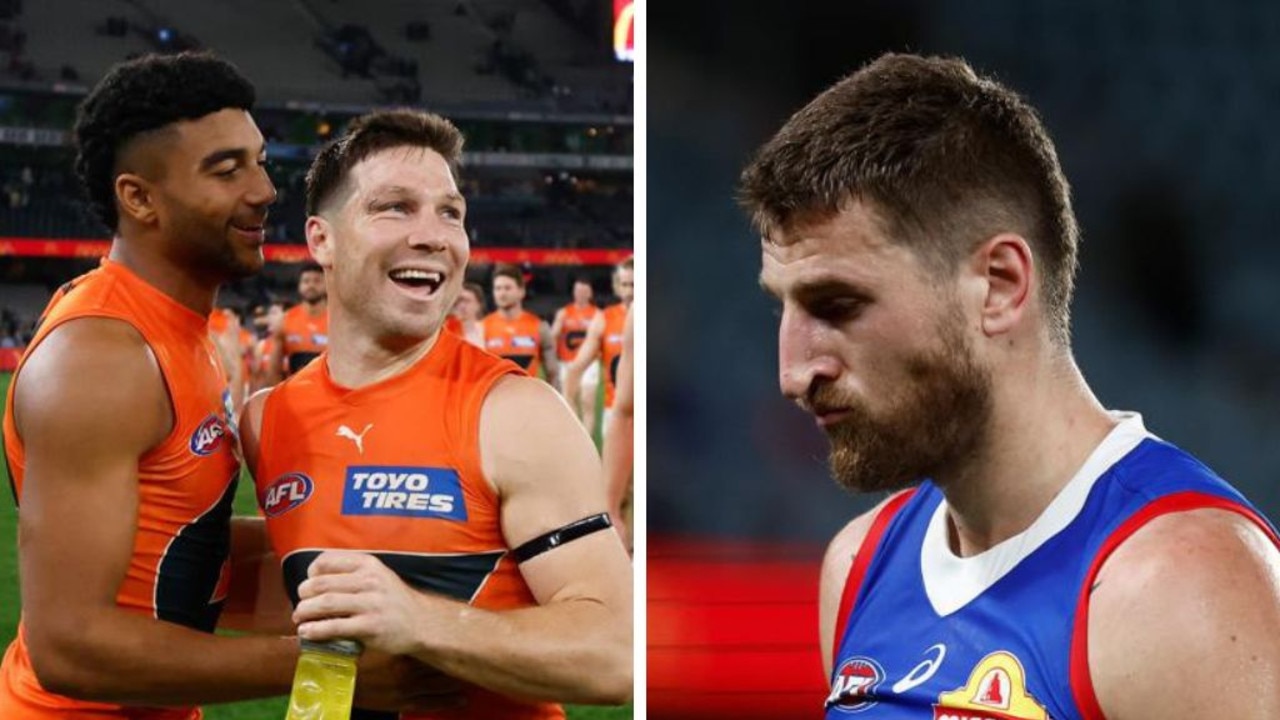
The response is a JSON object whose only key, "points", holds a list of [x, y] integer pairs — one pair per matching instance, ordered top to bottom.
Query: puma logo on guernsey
{"points": [[348, 433]]}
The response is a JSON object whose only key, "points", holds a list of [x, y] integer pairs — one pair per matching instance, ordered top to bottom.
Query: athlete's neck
{"points": [[187, 286], [315, 309], [512, 312], [355, 359], [1045, 423]]}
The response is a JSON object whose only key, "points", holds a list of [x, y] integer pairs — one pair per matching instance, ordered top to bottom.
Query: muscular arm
{"points": [[588, 352], [550, 359], [619, 439], [76, 533], [835, 572], [1199, 589], [256, 599], [575, 646]]}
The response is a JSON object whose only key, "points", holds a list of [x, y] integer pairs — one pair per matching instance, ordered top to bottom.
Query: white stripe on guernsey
{"points": [[952, 582]]}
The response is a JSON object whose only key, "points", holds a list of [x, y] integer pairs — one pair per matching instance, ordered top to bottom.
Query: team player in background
{"points": [[468, 313], [265, 319], [569, 329], [304, 331], [516, 334], [603, 341], [236, 348], [468, 488], [1056, 560]]}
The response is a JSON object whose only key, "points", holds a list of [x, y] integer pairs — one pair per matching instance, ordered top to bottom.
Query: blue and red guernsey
{"points": [[924, 634]]}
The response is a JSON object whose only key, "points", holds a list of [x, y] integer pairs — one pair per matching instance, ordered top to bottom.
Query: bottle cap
{"points": [[338, 647]]}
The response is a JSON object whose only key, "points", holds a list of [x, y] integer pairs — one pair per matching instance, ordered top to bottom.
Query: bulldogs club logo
{"points": [[854, 684], [997, 690]]}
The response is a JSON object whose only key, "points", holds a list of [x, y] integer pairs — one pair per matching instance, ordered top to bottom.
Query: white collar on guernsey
{"points": [[952, 582]]}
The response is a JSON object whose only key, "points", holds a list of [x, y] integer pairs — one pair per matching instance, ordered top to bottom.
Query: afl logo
{"points": [[208, 436], [286, 493], [854, 684]]}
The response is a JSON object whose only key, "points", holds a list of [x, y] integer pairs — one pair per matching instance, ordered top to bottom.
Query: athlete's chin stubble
{"points": [[935, 423]]}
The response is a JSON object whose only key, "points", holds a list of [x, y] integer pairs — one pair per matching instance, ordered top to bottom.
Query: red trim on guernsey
{"points": [[861, 561], [1081, 681]]}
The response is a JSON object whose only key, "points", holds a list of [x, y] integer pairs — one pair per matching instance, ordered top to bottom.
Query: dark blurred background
{"points": [[1162, 114]]}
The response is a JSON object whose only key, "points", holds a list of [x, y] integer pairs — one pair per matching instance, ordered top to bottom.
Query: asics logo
{"points": [[922, 672]]}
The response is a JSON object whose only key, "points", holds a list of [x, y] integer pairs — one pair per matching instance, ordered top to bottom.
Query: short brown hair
{"points": [[372, 133], [946, 159], [508, 270]]}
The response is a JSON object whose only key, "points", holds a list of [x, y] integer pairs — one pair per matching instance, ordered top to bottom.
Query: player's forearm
{"points": [[572, 380], [618, 456], [256, 599], [575, 651], [117, 656]]}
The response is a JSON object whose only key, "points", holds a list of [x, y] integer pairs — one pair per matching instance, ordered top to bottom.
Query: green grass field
{"points": [[245, 504]]}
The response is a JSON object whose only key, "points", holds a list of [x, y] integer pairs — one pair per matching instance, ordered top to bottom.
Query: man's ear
{"points": [[135, 198], [320, 240], [1006, 263]]}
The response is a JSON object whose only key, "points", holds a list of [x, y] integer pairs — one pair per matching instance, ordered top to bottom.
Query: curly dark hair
{"points": [[142, 95], [372, 133]]}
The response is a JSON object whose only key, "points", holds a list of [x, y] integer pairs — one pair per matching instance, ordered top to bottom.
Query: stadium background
{"points": [[535, 86], [1162, 115]]}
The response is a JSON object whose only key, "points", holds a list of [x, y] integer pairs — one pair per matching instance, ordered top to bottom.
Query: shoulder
{"points": [[90, 342], [87, 373], [515, 393], [524, 420], [250, 424], [847, 543], [1199, 588]]}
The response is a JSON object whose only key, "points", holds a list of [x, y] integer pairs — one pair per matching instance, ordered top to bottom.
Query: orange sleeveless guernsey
{"points": [[615, 323], [573, 329], [305, 336], [518, 340], [394, 469], [178, 572]]}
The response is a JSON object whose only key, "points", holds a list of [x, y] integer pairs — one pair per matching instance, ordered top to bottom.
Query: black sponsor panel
{"points": [[573, 339], [299, 360], [523, 361], [613, 369], [13, 485], [189, 571], [454, 576]]}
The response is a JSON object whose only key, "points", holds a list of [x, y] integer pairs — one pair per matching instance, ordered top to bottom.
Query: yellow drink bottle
{"points": [[325, 682]]}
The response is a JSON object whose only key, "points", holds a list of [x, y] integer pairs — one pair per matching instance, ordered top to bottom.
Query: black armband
{"points": [[560, 536]]}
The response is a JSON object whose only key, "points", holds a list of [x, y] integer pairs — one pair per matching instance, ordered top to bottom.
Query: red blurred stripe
{"points": [[95, 248], [733, 630]]}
